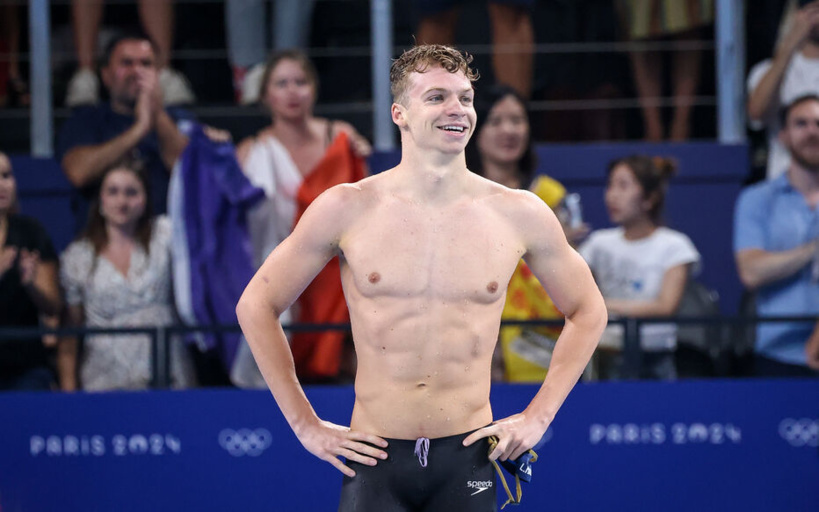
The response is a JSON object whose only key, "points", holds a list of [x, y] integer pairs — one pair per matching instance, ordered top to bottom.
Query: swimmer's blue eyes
{"points": [[466, 100]]}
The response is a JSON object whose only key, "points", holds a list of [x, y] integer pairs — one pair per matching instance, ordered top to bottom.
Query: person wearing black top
{"points": [[28, 291]]}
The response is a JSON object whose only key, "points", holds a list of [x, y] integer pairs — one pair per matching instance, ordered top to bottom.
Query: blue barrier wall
{"points": [[45, 194], [700, 201], [686, 446]]}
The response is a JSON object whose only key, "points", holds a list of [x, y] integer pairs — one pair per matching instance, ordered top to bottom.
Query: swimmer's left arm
{"points": [[569, 282]]}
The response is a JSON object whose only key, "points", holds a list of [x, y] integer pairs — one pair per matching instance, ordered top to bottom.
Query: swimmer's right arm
{"points": [[278, 283]]}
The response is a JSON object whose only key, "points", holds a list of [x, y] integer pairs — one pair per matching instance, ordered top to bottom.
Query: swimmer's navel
{"points": [[374, 277], [492, 287], [421, 385]]}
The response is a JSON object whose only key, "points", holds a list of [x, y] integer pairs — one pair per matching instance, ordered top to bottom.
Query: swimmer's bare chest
{"points": [[463, 253]]}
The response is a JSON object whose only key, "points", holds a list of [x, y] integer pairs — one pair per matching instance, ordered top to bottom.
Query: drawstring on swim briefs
{"points": [[422, 450]]}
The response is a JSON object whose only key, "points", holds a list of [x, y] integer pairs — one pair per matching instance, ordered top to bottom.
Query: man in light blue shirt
{"points": [[776, 244]]}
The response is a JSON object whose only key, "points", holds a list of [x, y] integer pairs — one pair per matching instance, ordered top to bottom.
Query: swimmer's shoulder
{"points": [[361, 190], [350, 199], [509, 201], [523, 212], [332, 213]]}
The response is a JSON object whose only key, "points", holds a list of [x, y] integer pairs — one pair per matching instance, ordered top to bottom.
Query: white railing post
{"points": [[381, 30], [730, 39], [42, 132]]}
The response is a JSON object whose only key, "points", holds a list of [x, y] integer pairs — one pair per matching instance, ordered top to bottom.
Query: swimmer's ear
{"points": [[398, 115]]}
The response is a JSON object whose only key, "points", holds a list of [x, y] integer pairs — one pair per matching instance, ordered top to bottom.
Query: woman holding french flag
{"points": [[293, 160]]}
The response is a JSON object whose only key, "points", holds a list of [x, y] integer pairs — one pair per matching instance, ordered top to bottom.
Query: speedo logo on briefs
{"points": [[479, 485]]}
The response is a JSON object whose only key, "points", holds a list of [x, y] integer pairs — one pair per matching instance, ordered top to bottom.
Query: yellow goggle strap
{"points": [[493, 442]]}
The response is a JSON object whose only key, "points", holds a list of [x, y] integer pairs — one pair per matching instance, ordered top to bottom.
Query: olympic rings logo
{"points": [[801, 432], [245, 441]]}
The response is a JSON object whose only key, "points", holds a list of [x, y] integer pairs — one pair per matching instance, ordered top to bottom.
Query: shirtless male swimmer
{"points": [[427, 249]]}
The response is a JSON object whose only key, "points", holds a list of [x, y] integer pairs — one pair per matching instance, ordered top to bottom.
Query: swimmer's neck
{"points": [[431, 179]]}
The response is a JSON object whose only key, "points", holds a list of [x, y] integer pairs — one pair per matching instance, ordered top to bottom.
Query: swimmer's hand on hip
{"points": [[516, 434], [329, 441]]}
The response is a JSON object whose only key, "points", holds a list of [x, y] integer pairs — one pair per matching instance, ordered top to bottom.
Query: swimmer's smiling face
{"points": [[439, 114]]}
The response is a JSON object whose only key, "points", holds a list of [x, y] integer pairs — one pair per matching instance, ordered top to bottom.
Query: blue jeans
{"points": [[246, 32]]}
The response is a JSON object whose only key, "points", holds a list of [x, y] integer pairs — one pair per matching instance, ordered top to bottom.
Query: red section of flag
{"points": [[318, 354]]}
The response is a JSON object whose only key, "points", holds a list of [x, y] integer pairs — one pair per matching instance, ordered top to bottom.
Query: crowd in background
{"points": [[139, 158]]}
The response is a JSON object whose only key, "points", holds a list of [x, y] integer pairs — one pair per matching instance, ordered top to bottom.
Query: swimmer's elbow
{"points": [[247, 306], [252, 307], [243, 309], [593, 311]]}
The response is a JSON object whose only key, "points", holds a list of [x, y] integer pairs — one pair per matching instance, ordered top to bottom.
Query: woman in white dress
{"points": [[640, 266], [118, 274]]}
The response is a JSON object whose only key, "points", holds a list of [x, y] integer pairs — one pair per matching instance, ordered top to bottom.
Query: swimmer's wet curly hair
{"points": [[419, 58]]}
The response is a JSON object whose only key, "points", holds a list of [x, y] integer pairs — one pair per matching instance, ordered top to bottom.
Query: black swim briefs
{"points": [[429, 475]]}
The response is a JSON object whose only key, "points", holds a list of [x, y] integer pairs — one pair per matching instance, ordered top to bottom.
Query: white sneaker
{"points": [[251, 84], [83, 88], [176, 90]]}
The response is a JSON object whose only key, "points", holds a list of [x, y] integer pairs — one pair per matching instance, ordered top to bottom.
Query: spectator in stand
{"points": [[157, 19], [666, 20], [513, 38], [247, 41], [792, 72], [13, 88], [135, 123], [501, 150], [295, 159], [776, 243], [640, 266], [118, 274], [28, 291]]}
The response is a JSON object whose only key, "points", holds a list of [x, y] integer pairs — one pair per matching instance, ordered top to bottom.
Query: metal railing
{"points": [[729, 46], [722, 340]]}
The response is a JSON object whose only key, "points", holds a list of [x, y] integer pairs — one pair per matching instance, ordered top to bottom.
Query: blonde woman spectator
{"points": [[294, 160]]}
